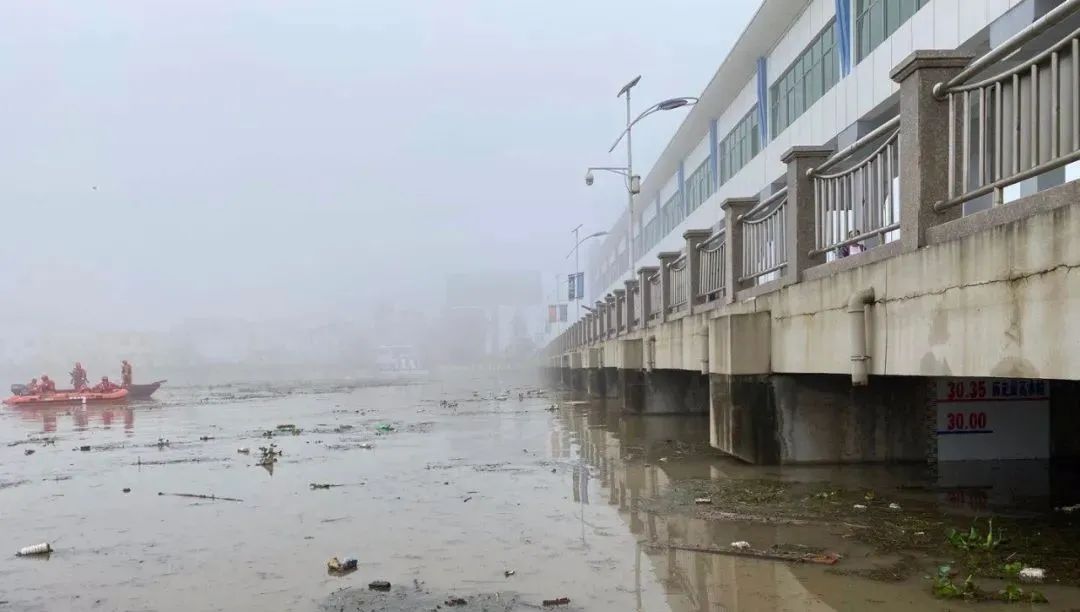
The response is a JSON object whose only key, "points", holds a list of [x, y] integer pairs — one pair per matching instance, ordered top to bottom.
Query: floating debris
{"points": [[384, 427], [205, 438], [84, 447], [243, 450], [28, 451], [324, 485], [127, 489], [199, 496], [703, 500], [894, 506], [859, 507], [1069, 509], [741, 545], [37, 549], [334, 566], [509, 573], [1032, 575], [379, 585], [455, 601], [560, 601]]}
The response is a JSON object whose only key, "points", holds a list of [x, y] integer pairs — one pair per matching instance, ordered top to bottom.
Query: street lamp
{"points": [[633, 181], [577, 270]]}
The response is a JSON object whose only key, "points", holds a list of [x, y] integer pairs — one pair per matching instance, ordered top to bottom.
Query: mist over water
{"points": [[274, 176]]}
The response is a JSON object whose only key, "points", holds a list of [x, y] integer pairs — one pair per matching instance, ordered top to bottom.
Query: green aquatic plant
{"points": [[974, 540], [945, 588]]}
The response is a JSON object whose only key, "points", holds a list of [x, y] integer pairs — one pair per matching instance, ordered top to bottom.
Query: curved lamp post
{"points": [[633, 181]]}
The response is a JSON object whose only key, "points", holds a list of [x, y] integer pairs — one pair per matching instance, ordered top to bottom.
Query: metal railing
{"points": [[1019, 123], [859, 202], [764, 230], [713, 263], [680, 282], [655, 295]]}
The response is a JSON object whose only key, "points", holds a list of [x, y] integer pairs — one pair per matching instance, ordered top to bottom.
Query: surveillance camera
{"points": [[588, 178]]}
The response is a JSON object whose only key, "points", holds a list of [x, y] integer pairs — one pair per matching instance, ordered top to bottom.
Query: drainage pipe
{"points": [[857, 317], [703, 345], [650, 354]]}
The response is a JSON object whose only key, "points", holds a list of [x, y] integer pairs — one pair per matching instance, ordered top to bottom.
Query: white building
{"points": [[804, 72]]}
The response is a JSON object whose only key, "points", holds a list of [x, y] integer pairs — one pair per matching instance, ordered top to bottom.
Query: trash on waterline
{"points": [[384, 427], [205, 438], [366, 446], [84, 448], [243, 450], [28, 451], [324, 485], [127, 489], [703, 500], [894, 506], [859, 507], [1069, 509], [741, 545], [37, 549], [509, 573], [1032, 574], [379, 585], [455, 601], [561, 601]]}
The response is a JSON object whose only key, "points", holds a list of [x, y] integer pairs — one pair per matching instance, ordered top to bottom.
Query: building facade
{"points": [[811, 72]]}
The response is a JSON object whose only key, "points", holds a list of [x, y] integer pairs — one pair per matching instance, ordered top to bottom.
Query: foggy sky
{"points": [[253, 158]]}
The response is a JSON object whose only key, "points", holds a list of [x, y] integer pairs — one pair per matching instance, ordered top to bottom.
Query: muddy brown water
{"points": [[442, 505]]}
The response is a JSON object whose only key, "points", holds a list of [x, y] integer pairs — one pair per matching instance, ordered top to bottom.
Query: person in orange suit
{"points": [[47, 385], [105, 386]]}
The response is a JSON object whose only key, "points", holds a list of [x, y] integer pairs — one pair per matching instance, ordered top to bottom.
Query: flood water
{"points": [[445, 501]]}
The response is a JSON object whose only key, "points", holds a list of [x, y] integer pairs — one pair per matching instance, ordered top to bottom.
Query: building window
{"points": [[876, 20], [812, 74], [741, 144], [699, 186], [670, 214], [650, 232]]}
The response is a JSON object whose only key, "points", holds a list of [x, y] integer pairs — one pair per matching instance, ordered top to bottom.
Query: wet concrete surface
{"points": [[579, 502]]}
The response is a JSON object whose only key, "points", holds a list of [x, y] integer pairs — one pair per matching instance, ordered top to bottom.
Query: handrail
{"points": [[1007, 48], [1024, 67], [849, 150], [761, 205], [702, 246]]}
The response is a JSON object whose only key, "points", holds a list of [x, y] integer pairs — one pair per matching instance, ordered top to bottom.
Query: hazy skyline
{"points": [[271, 159]]}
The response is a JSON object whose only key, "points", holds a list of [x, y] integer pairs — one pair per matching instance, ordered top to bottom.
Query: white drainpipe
{"points": [[857, 316], [703, 334], [650, 354]]}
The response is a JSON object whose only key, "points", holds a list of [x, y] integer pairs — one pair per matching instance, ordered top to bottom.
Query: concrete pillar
{"points": [[924, 141], [800, 210], [693, 238], [733, 239], [666, 293], [631, 298], [645, 301], [620, 310], [609, 311], [601, 320], [674, 392]]}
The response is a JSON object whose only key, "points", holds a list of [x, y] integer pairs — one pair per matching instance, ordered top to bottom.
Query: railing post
{"points": [[924, 141], [801, 224], [733, 235], [693, 238], [665, 281], [631, 287], [645, 290], [609, 309], [620, 310]]}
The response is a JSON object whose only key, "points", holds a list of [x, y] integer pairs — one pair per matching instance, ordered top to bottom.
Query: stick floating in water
{"points": [[197, 496]]}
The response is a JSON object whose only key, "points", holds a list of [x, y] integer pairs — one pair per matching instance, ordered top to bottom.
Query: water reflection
{"points": [[81, 418], [635, 458]]}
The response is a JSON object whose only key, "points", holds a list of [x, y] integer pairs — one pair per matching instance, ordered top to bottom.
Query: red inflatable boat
{"points": [[66, 397]]}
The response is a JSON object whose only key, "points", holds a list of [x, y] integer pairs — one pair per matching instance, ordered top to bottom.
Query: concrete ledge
{"points": [[1044, 201], [874, 255], [753, 292]]}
